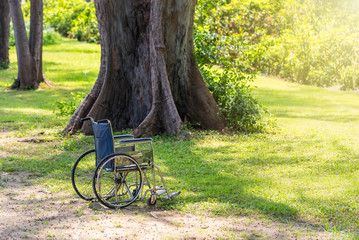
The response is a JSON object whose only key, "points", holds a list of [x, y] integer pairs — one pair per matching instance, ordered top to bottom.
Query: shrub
{"points": [[72, 18], [84, 27], [12, 36], [50, 36], [310, 41], [4, 65], [226, 81], [231, 90], [68, 107]]}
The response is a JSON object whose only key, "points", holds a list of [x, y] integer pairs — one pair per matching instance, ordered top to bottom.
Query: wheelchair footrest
{"points": [[160, 192], [172, 195]]}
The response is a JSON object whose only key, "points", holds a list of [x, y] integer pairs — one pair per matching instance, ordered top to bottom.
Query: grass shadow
{"points": [[254, 183]]}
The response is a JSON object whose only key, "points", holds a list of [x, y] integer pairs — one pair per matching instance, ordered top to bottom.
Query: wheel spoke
{"points": [[82, 174], [124, 183]]}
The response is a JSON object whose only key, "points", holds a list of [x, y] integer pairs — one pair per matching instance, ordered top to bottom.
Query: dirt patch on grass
{"points": [[29, 211]]}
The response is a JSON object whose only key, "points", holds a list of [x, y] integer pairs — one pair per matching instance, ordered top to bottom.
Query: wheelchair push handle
{"points": [[87, 118], [99, 121]]}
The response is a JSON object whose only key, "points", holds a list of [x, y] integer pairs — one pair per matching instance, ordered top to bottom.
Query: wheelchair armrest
{"points": [[123, 137], [136, 140]]}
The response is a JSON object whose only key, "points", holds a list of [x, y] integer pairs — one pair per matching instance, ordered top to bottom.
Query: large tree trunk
{"points": [[4, 33], [29, 54], [148, 79]]}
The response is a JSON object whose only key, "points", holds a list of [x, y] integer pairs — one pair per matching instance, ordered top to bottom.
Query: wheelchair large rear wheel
{"points": [[82, 175], [117, 181]]}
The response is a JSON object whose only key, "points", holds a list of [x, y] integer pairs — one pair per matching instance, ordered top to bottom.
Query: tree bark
{"points": [[4, 33], [36, 36], [29, 54], [148, 79]]}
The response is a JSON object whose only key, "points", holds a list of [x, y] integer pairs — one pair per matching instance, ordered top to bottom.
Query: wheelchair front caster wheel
{"points": [[151, 201]]}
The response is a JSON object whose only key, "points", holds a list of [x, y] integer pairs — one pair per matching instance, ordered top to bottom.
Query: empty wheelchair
{"points": [[116, 171]]}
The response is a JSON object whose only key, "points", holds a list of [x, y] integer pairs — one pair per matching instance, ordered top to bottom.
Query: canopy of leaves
{"points": [[72, 18], [310, 41]]}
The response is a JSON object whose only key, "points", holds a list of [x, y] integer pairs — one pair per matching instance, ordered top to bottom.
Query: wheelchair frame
{"points": [[116, 177]]}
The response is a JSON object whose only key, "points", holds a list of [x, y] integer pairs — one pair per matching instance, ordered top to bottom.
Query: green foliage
{"points": [[72, 18], [240, 26], [84, 27], [12, 36], [50, 37], [310, 42], [321, 49], [4, 65], [229, 85], [231, 90], [68, 107], [65, 108]]}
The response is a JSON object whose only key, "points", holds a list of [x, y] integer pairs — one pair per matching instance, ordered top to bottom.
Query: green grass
{"points": [[70, 67], [29, 130], [307, 172]]}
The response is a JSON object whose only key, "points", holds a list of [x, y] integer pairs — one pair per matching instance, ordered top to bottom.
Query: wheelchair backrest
{"points": [[104, 142]]}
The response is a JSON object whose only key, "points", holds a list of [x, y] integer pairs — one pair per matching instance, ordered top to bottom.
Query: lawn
{"points": [[306, 172]]}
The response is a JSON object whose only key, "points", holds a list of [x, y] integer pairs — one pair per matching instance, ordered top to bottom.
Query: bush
{"points": [[72, 18], [240, 25], [50, 36], [310, 42], [318, 50], [4, 65], [228, 84], [231, 90], [68, 107]]}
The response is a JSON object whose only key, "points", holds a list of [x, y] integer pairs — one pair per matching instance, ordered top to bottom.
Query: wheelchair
{"points": [[116, 171]]}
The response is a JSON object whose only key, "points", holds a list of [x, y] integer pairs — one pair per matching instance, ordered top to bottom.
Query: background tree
{"points": [[4, 33], [29, 53], [149, 79]]}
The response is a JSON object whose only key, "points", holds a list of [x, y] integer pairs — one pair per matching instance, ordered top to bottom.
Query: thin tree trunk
{"points": [[4, 33], [36, 36], [29, 55], [148, 79]]}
